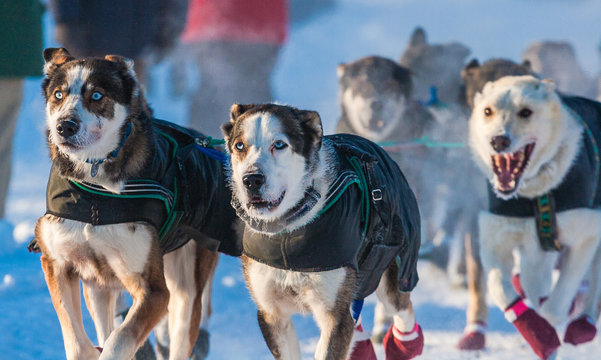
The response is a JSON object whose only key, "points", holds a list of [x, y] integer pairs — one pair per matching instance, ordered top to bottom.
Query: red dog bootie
{"points": [[535, 329], [580, 331], [474, 337], [403, 345], [362, 348]]}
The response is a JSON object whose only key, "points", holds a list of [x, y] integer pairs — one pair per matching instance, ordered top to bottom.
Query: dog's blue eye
{"points": [[58, 95], [96, 96], [279, 144], [239, 146]]}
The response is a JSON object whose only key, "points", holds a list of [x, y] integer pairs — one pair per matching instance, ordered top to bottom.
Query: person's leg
{"points": [[11, 94]]}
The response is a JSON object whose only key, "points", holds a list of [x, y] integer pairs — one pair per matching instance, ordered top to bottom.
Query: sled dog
{"points": [[540, 152], [125, 196], [329, 220]]}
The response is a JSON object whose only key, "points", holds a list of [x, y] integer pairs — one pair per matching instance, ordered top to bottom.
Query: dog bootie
{"points": [[535, 329], [580, 331], [474, 337], [403, 345], [363, 348]]}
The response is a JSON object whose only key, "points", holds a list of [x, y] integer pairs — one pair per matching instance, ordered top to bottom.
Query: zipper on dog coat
{"points": [[181, 188], [579, 189]]}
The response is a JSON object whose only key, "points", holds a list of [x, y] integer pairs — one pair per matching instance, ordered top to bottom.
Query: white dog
{"points": [[540, 152]]}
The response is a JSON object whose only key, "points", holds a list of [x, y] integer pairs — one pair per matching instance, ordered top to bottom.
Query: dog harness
{"points": [[579, 189], [182, 192], [370, 218]]}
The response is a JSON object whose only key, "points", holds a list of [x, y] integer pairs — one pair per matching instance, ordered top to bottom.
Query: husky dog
{"points": [[557, 60], [435, 66], [475, 76], [376, 103], [540, 152], [126, 194], [329, 220]]}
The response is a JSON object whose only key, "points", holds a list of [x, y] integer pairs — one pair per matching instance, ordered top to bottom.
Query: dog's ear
{"points": [[418, 38], [55, 57], [127, 62], [526, 63], [472, 64], [340, 70], [468, 70], [238, 109], [235, 112], [310, 122]]}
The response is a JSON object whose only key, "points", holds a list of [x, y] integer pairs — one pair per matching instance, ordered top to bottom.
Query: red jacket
{"points": [[251, 21]]}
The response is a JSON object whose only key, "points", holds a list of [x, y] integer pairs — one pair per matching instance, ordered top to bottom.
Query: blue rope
{"points": [[212, 153]]}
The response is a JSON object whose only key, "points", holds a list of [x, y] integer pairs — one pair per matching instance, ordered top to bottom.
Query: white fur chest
{"points": [[125, 247], [292, 291]]}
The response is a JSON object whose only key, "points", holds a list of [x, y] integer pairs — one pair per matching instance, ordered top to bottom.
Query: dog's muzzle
{"points": [[67, 128]]}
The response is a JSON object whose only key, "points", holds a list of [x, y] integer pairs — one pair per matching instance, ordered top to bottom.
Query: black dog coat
{"points": [[182, 192], [370, 219]]}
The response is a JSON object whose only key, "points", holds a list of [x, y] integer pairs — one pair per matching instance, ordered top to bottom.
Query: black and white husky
{"points": [[541, 153], [126, 194], [329, 220]]}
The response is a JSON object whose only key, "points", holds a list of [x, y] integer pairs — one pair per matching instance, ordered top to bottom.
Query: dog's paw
{"points": [[537, 331], [580, 331], [474, 337], [403, 346], [363, 350]]}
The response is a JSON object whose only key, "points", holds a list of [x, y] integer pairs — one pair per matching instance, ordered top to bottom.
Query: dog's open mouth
{"points": [[509, 168], [258, 202]]}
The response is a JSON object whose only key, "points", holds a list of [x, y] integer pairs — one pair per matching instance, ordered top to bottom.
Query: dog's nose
{"points": [[67, 128], [500, 143], [253, 181]]}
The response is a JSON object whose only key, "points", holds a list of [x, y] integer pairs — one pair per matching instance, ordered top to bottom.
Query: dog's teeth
{"points": [[521, 156], [512, 184]]}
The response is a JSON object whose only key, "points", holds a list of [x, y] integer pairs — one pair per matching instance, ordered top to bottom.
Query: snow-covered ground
{"points": [[306, 78]]}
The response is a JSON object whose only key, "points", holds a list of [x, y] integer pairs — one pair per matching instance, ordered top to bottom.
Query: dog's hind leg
{"points": [[187, 271], [63, 284], [330, 303], [101, 305], [404, 339]]}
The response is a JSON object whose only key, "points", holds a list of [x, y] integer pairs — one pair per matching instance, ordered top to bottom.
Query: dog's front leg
{"points": [[497, 240], [575, 263], [536, 269], [63, 284], [150, 300], [330, 301], [101, 305], [280, 335]]}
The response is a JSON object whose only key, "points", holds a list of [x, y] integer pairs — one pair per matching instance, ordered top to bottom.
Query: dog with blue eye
{"points": [[133, 203], [328, 221]]}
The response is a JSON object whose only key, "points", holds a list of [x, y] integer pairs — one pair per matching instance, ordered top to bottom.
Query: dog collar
{"points": [[96, 162]]}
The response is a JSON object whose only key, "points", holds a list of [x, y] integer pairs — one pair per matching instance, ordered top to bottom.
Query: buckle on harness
{"points": [[204, 142], [376, 194]]}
